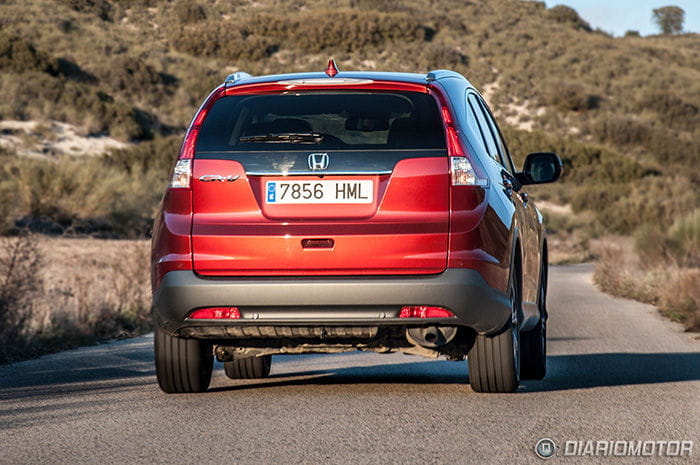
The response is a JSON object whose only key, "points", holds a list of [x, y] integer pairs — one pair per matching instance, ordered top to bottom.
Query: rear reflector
{"points": [[425, 312], [216, 313]]}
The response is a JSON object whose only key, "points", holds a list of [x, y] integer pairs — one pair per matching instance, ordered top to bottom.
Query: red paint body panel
{"points": [[404, 231], [171, 247]]}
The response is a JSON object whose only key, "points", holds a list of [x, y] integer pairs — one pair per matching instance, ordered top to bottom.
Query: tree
{"points": [[669, 19]]}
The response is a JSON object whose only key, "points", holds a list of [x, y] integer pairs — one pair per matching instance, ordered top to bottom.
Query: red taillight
{"points": [[453, 145], [187, 150], [461, 167], [182, 173], [420, 311], [216, 313]]}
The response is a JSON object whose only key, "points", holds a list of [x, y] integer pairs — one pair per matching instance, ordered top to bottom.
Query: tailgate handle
{"points": [[317, 243]]}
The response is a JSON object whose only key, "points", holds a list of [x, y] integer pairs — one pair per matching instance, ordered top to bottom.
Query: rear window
{"points": [[345, 120]]}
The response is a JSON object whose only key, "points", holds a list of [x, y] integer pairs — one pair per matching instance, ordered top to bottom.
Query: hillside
{"points": [[126, 76]]}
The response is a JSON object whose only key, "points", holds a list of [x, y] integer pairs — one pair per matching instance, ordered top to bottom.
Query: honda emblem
{"points": [[318, 161]]}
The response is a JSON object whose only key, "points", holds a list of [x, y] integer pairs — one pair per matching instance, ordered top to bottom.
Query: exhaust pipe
{"points": [[432, 336]]}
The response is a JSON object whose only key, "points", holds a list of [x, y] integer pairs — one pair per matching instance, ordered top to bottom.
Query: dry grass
{"points": [[673, 288], [87, 290]]}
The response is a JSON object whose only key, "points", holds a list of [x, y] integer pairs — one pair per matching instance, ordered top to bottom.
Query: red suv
{"points": [[341, 211]]}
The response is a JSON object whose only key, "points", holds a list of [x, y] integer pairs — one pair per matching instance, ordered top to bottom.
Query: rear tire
{"points": [[494, 361], [182, 365], [248, 367]]}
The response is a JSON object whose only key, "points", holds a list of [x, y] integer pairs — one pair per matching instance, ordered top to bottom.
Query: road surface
{"points": [[617, 372]]}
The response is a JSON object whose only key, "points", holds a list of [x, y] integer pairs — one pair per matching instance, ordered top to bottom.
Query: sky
{"points": [[618, 16]]}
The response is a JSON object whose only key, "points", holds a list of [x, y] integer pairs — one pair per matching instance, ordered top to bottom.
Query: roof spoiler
{"points": [[441, 74], [236, 77]]}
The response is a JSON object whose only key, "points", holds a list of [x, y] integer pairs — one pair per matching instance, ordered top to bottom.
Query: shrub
{"points": [[100, 8], [187, 12], [567, 15], [260, 35], [221, 39], [18, 55], [440, 56], [135, 78], [570, 97], [672, 110], [621, 130], [673, 149], [159, 155], [81, 197], [657, 201], [684, 238], [651, 245], [20, 282], [676, 290], [83, 291], [680, 298]]}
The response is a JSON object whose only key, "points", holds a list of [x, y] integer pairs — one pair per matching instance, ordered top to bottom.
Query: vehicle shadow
{"points": [[133, 369], [580, 371], [565, 372]]}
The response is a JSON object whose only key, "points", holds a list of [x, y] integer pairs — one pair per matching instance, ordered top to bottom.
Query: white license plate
{"points": [[280, 192]]}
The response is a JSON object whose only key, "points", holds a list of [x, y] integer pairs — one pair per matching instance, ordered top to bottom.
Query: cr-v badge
{"points": [[318, 161], [219, 178]]}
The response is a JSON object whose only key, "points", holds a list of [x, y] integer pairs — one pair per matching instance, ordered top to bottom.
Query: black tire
{"points": [[533, 343], [494, 361], [182, 365], [248, 367]]}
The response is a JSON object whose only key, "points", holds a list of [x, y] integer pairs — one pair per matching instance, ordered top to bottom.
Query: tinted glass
{"points": [[348, 120], [484, 129], [503, 151]]}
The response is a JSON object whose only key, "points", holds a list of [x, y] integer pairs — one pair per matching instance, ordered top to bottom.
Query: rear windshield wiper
{"points": [[287, 137]]}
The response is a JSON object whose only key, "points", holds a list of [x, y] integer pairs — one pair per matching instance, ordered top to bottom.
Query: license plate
{"points": [[281, 192]]}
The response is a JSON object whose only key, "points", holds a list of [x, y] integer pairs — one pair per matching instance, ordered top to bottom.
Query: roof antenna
{"points": [[332, 68]]}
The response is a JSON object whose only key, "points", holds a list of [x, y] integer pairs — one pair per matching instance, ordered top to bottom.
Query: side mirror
{"points": [[540, 168]]}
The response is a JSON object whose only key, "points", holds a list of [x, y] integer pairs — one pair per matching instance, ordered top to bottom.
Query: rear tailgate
{"points": [[343, 207]]}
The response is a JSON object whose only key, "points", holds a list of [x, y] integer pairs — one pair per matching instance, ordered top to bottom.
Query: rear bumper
{"points": [[327, 301]]}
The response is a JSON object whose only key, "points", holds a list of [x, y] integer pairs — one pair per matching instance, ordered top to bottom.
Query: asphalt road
{"points": [[617, 371]]}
